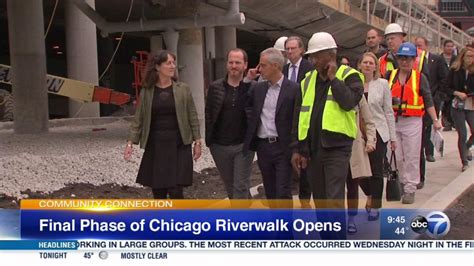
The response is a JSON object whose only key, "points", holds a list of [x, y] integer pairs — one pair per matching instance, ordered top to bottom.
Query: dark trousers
{"points": [[447, 118], [460, 118], [427, 147], [274, 163], [234, 167], [327, 175], [352, 185], [373, 186], [304, 187], [163, 193]]}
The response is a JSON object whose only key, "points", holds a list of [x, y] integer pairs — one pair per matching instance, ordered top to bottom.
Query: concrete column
{"points": [[210, 35], [226, 39], [171, 41], [156, 43], [190, 49], [81, 50], [28, 61]]}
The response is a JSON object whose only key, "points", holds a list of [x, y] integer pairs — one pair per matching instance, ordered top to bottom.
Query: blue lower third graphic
{"points": [[250, 224]]}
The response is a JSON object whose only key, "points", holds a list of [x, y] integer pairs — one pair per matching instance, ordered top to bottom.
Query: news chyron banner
{"points": [[177, 232]]}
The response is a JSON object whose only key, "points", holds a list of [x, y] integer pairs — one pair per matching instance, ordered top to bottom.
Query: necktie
{"points": [[293, 73]]}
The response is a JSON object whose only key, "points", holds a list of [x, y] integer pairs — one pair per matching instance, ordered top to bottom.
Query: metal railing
{"points": [[416, 20]]}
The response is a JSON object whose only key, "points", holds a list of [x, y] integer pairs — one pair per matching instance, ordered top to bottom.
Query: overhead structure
{"points": [[230, 18], [347, 21]]}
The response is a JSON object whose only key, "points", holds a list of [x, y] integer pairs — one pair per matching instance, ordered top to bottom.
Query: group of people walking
{"points": [[326, 124]]}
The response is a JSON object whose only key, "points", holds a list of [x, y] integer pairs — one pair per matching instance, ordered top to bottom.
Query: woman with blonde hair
{"points": [[461, 85], [379, 98], [165, 125]]}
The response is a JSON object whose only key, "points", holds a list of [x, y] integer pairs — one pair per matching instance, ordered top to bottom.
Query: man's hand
{"points": [[332, 69], [253, 73], [437, 125], [298, 162]]}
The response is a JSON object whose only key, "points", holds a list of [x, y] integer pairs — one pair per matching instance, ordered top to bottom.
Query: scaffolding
{"points": [[415, 18]]}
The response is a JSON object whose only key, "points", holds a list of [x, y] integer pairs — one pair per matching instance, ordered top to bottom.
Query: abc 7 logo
{"points": [[436, 224]]}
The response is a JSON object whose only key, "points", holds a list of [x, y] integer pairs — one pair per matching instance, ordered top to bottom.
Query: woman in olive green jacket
{"points": [[165, 125]]}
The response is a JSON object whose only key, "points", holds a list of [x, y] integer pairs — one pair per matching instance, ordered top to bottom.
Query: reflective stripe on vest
{"points": [[420, 59], [385, 65], [413, 105], [335, 119]]}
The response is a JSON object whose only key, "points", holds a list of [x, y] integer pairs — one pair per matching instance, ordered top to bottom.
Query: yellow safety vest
{"points": [[335, 119]]}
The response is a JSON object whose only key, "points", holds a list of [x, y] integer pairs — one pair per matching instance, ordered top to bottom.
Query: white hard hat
{"points": [[394, 28], [321, 41], [280, 43]]}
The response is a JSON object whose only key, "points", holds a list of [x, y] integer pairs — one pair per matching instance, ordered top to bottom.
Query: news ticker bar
{"points": [[226, 224], [147, 245]]}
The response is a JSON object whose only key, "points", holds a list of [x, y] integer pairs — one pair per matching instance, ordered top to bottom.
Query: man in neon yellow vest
{"points": [[326, 126]]}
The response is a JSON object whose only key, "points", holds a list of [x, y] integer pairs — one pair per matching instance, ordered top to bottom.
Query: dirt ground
{"points": [[208, 178], [461, 215]]}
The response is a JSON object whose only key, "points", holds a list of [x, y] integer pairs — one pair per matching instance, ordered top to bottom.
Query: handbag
{"points": [[393, 189]]}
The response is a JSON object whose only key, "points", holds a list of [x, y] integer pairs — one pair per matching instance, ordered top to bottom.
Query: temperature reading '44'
{"points": [[400, 230], [88, 255]]}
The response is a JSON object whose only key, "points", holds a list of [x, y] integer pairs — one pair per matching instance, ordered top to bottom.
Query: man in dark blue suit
{"points": [[297, 67], [295, 71], [438, 74], [269, 129]]}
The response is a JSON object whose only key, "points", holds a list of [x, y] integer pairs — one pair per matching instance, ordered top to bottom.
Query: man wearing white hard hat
{"points": [[394, 37], [280, 45], [326, 126]]}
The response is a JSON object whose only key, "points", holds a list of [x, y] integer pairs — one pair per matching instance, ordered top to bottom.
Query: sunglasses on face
{"points": [[404, 57]]}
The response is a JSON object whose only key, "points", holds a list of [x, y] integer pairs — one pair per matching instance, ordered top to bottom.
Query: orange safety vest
{"points": [[386, 65], [411, 103]]}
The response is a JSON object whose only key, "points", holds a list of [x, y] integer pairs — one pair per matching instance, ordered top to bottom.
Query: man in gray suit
{"points": [[269, 130]]}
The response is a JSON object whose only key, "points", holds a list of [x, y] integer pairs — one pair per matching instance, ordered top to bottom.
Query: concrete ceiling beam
{"points": [[232, 18]]}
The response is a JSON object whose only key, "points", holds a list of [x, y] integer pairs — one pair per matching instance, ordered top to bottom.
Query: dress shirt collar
{"points": [[297, 63], [277, 85]]}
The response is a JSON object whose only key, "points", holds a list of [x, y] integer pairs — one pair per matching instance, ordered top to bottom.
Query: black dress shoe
{"points": [[430, 158], [373, 216]]}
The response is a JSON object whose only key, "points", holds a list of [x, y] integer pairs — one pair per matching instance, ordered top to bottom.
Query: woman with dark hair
{"points": [[345, 61], [461, 85], [165, 125]]}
